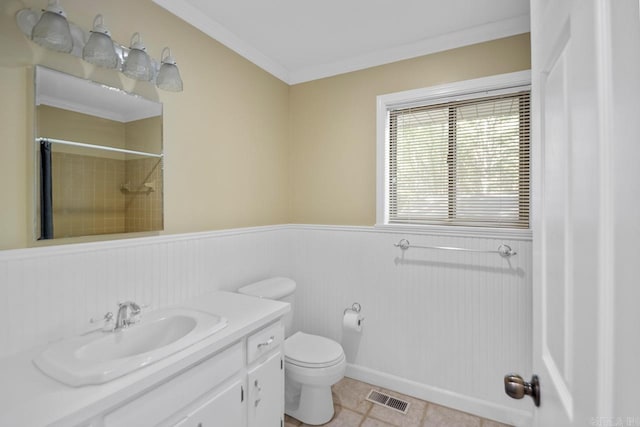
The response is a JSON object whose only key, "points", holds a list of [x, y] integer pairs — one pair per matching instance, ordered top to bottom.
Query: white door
{"points": [[582, 181]]}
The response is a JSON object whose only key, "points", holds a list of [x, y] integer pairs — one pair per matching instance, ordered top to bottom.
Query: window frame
{"points": [[456, 91]]}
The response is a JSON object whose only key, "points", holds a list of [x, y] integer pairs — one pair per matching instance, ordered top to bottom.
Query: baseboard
{"points": [[442, 397]]}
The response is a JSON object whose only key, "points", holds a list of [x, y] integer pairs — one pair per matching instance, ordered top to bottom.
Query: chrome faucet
{"points": [[128, 313]]}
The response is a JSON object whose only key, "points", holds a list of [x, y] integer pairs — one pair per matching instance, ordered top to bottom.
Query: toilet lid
{"points": [[273, 288], [312, 350]]}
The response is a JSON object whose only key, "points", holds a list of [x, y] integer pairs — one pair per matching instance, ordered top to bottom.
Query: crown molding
{"points": [[193, 16], [215, 30], [479, 34]]}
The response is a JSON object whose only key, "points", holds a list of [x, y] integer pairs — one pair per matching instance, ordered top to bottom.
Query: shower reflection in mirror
{"points": [[99, 159]]}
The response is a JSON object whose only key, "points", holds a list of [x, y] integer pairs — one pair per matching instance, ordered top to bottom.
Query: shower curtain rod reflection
{"points": [[97, 147], [503, 250]]}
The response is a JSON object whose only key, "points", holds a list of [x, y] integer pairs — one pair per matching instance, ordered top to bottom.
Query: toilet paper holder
{"points": [[354, 307], [352, 317]]}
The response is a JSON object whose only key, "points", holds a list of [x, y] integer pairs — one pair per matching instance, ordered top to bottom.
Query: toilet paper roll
{"points": [[352, 321]]}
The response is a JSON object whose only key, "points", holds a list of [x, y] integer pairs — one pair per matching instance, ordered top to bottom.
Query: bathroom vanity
{"points": [[234, 377]]}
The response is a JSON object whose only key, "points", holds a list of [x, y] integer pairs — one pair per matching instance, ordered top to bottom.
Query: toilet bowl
{"points": [[312, 363]]}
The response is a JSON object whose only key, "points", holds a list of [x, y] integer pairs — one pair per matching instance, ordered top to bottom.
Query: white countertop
{"points": [[30, 398]]}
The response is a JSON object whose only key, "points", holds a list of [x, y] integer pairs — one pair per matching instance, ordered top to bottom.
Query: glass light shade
{"points": [[52, 30], [100, 50], [138, 64], [169, 76]]}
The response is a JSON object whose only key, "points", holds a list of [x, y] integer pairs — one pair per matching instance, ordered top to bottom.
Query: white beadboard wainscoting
{"points": [[51, 292], [440, 325]]}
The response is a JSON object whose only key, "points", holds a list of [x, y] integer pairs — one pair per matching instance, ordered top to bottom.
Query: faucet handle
{"points": [[128, 303], [134, 306], [136, 311], [128, 314], [108, 324]]}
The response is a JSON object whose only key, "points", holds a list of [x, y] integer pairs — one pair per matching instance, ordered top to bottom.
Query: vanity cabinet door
{"points": [[266, 393], [168, 401], [223, 409]]}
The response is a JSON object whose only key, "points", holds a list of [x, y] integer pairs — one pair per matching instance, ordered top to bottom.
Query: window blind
{"points": [[461, 163]]}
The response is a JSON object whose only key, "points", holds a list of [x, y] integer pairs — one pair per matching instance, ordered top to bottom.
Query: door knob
{"points": [[517, 388]]}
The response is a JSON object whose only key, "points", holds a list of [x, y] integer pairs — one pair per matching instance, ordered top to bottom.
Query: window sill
{"points": [[459, 231]]}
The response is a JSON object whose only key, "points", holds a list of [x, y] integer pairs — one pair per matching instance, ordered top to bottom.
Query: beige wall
{"points": [[52, 122], [333, 126], [139, 135], [144, 135], [224, 136], [241, 147], [15, 213]]}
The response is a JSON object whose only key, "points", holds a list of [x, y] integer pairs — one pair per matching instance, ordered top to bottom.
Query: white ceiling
{"points": [[302, 40]]}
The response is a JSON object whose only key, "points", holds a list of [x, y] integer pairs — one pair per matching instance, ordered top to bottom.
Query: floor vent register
{"points": [[391, 402]]}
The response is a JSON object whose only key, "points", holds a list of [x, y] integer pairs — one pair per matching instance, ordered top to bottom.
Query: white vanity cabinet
{"points": [[265, 375], [233, 378], [241, 386], [266, 391], [175, 400], [222, 409]]}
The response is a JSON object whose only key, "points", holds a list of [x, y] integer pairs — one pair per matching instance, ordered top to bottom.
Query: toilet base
{"points": [[314, 407]]}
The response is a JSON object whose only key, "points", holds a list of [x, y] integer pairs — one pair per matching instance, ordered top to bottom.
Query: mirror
{"points": [[98, 159]]}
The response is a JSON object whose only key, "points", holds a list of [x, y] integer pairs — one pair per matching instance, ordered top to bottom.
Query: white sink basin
{"points": [[99, 357]]}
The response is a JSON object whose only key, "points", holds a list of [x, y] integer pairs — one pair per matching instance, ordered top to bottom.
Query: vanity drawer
{"points": [[265, 340], [169, 398]]}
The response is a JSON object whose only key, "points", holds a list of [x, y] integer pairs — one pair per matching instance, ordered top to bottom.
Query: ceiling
{"points": [[302, 40]]}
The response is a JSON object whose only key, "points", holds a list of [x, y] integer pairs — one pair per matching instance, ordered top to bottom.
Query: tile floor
{"points": [[353, 410]]}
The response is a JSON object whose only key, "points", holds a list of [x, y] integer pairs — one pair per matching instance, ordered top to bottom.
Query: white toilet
{"points": [[312, 363]]}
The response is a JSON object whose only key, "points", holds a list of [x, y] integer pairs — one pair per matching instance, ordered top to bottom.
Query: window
{"points": [[460, 159]]}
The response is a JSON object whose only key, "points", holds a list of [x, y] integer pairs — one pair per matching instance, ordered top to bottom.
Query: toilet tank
{"points": [[275, 288]]}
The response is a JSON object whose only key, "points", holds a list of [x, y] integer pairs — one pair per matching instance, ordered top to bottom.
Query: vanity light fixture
{"points": [[52, 30], [100, 49], [138, 65], [169, 76]]}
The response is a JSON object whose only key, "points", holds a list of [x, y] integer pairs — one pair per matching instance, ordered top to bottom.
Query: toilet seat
{"points": [[312, 351]]}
